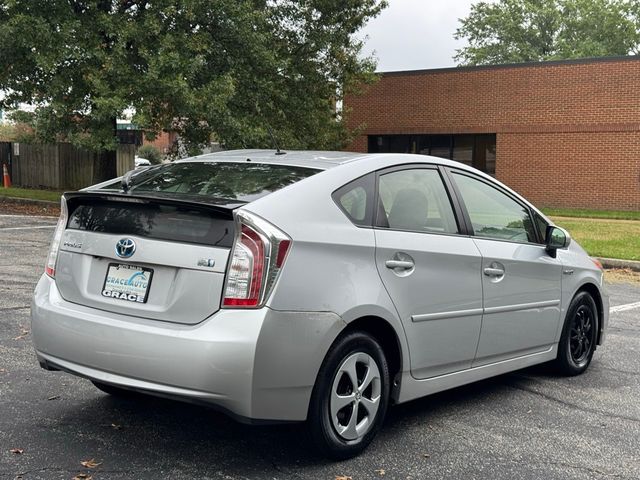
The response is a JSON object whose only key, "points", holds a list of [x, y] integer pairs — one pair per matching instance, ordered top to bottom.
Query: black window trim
{"points": [[451, 170], [453, 200], [541, 235]]}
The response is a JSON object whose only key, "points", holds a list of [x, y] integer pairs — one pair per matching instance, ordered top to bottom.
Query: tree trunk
{"points": [[106, 161]]}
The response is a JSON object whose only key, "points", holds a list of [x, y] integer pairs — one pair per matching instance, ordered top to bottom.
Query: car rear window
{"points": [[239, 181], [154, 220]]}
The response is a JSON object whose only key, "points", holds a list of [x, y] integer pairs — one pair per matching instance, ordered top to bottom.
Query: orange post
{"points": [[6, 179]]}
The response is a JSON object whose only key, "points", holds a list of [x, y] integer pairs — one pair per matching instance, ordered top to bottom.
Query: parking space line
{"points": [[31, 227], [625, 307]]}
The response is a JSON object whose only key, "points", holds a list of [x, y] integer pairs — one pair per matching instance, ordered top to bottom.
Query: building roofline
{"points": [[541, 64]]}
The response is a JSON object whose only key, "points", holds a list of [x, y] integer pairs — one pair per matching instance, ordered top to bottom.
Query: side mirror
{"points": [[557, 239]]}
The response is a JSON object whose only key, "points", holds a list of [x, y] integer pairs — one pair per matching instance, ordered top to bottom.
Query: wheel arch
{"points": [[593, 290], [385, 334]]}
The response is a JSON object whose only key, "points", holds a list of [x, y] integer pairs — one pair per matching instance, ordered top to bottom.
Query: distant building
{"points": [[129, 133], [562, 133], [164, 141]]}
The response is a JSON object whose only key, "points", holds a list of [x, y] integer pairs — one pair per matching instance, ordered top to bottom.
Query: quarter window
{"points": [[415, 199], [355, 200], [494, 214]]}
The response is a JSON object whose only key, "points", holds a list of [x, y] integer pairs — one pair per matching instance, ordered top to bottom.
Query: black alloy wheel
{"points": [[579, 335]]}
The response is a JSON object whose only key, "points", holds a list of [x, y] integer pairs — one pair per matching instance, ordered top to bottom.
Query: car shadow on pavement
{"points": [[148, 431], [147, 436]]}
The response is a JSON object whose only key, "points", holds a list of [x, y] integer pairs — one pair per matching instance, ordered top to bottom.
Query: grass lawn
{"points": [[50, 195], [575, 213], [605, 238]]}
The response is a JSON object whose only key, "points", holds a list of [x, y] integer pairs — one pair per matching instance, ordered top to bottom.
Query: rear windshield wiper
{"points": [[133, 176]]}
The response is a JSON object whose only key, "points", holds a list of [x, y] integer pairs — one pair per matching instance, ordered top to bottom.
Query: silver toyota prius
{"points": [[311, 286]]}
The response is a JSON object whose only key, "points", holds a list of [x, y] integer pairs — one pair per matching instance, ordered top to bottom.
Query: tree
{"points": [[511, 31], [231, 68], [16, 132]]}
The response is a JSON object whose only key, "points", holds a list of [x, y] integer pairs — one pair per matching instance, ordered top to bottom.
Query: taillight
{"points": [[259, 252], [597, 263], [50, 267], [246, 271]]}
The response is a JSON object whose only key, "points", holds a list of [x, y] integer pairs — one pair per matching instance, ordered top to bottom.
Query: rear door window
{"points": [[415, 199]]}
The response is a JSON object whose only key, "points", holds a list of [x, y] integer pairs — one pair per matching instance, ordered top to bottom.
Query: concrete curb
{"points": [[28, 201], [617, 263]]}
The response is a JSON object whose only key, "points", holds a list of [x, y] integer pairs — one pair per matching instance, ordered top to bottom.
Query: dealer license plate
{"points": [[127, 282]]}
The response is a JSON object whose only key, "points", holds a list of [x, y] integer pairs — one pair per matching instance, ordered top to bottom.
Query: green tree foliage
{"points": [[511, 31], [230, 68]]}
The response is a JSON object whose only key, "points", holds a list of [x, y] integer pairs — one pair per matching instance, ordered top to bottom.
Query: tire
{"points": [[579, 336], [115, 391], [360, 414]]}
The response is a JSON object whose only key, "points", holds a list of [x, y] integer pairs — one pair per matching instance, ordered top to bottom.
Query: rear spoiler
{"points": [[222, 206]]}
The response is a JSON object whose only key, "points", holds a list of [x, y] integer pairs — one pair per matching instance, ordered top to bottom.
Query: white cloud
{"points": [[416, 34]]}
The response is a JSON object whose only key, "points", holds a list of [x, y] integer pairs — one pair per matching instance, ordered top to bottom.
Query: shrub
{"points": [[150, 152]]}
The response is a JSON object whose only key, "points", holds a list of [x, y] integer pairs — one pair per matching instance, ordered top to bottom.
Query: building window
{"points": [[463, 148], [478, 151]]}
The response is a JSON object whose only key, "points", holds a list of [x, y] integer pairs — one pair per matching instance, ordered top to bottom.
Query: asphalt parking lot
{"points": [[526, 425]]}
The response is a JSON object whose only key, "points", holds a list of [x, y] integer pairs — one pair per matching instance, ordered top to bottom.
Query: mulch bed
{"points": [[14, 208]]}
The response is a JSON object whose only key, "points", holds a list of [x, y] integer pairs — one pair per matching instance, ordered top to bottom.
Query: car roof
{"points": [[308, 158], [319, 159], [324, 160]]}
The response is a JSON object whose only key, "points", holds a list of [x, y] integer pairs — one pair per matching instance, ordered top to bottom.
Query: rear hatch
{"points": [[160, 249], [145, 257]]}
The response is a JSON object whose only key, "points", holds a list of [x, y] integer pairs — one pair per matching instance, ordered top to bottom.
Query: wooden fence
{"points": [[5, 153], [126, 155], [63, 166]]}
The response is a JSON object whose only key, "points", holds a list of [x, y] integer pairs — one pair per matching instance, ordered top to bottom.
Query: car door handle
{"points": [[401, 264], [493, 272]]}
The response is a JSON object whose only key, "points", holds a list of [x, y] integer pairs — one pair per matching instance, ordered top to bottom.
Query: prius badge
{"points": [[125, 247]]}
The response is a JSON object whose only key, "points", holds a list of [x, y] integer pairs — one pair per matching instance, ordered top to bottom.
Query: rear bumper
{"points": [[255, 364]]}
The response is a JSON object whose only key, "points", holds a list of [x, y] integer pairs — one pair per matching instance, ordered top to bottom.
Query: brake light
{"points": [[259, 252], [597, 263], [50, 267], [246, 270]]}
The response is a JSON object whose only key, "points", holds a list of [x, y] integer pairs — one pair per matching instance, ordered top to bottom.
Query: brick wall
{"points": [[568, 132], [163, 141], [574, 170]]}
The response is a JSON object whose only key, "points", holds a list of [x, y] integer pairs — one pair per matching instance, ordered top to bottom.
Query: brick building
{"points": [[562, 133], [164, 141]]}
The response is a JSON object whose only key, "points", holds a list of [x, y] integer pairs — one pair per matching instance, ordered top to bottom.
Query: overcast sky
{"points": [[415, 34]]}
